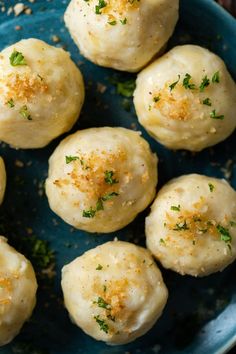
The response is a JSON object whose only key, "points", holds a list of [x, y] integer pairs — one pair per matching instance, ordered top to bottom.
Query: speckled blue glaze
{"points": [[200, 317]]}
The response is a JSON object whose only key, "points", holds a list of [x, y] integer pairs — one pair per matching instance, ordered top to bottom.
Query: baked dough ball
{"points": [[121, 34], [42, 93], [187, 99], [101, 178], [2, 180], [192, 225], [17, 291], [114, 292]]}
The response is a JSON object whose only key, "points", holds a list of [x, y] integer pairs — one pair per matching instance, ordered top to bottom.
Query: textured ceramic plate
{"points": [[201, 313]]}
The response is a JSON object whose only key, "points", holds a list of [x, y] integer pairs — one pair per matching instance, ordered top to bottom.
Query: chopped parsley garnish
{"points": [[101, 5], [124, 21], [112, 23], [17, 58], [216, 78], [186, 82], [205, 82], [172, 86], [126, 88], [156, 99], [207, 102], [11, 103], [25, 113], [215, 116], [70, 158], [109, 178], [211, 187], [109, 196], [99, 205], [175, 208], [89, 213], [232, 223], [181, 226], [224, 234], [162, 241], [99, 267], [102, 303], [102, 324]]}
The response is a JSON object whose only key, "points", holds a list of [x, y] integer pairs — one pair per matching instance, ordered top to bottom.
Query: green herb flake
{"points": [[101, 5], [124, 21], [112, 23], [17, 58], [216, 78], [186, 82], [205, 82], [172, 86], [126, 88], [156, 99], [207, 102], [11, 103], [25, 113], [213, 115], [70, 158], [109, 178], [211, 187], [109, 196], [99, 205], [175, 208], [89, 213], [232, 223], [181, 226], [224, 234], [162, 241], [99, 267], [102, 303], [102, 324]]}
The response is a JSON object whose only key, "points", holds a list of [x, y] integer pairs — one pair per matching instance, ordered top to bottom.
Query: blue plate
{"points": [[201, 313]]}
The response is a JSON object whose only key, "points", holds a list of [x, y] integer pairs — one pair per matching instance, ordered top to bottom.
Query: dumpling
{"points": [[121, 34], [42, 93], [187, 99], [99, 179], [2, 180], [192, 225], [17, 291], [114, 292]]}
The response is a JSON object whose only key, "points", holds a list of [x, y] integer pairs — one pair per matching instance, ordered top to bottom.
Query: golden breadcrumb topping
{"points": [[22, 87], [175, 104], [89, 173], [5, 290]]}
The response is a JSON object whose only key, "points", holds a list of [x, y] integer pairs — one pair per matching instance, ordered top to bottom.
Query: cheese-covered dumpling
{"points": [[121, 34], [42, 93], [187, 99], [101, 178], [2, 180], [192, 225], [17, 291], [114, 292]]}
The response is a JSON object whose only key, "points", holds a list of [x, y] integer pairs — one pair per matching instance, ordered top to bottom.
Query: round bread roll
{"points": [[121, 34], [42, 93], [187, 99], [101, 178], [2, 180], [192, 225], [17, 291], [114, 292]]}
